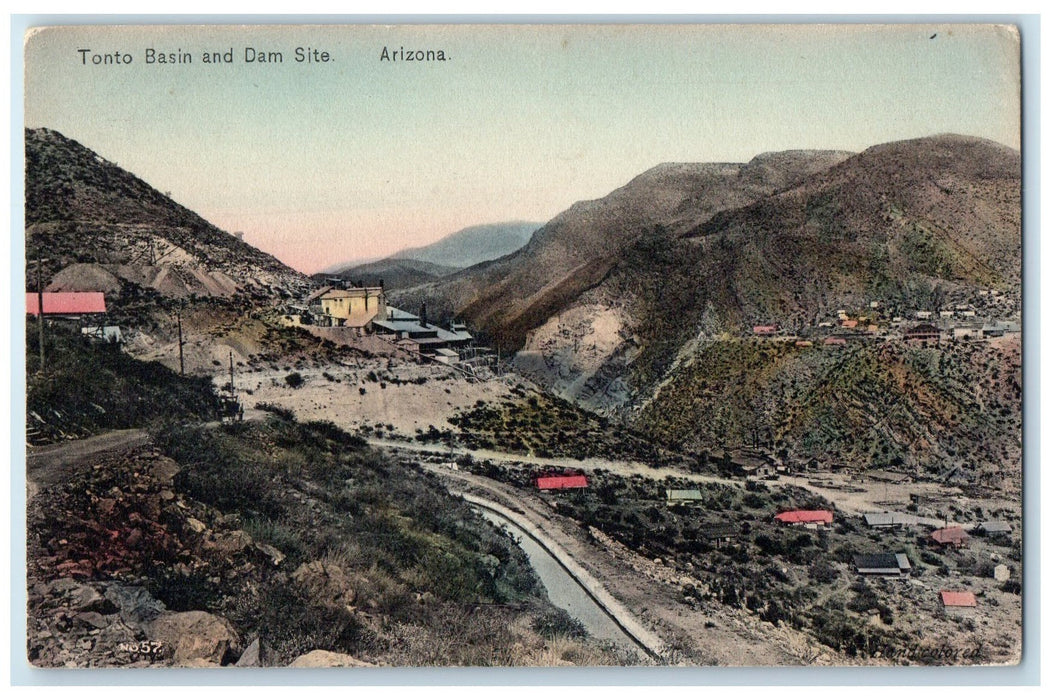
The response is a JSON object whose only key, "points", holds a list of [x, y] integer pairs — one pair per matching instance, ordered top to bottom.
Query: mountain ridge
{"points": [[637, 304]]}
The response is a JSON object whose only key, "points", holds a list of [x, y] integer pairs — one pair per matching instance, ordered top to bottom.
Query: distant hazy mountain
{"points": [[98, 227], [474, 244], [414, 266]]}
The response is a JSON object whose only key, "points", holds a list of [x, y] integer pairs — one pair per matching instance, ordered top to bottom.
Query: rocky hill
{"points": [[98, 227], [577, 249], [621, 303]]}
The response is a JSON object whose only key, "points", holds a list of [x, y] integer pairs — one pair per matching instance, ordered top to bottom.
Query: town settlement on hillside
{"points": [[342, 312], [992, 314]]}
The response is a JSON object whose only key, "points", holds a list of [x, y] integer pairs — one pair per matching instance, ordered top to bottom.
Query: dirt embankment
{"points": [[400, 397]]}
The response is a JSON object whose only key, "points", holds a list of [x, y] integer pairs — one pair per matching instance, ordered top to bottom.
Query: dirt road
{"points": [[54, 464], [619, 467], [862, 498]]}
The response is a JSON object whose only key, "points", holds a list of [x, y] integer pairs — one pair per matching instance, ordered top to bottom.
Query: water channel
{"points": [[563, 590]]}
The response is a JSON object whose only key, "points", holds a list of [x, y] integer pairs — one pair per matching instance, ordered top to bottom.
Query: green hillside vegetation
{"points": [[691, 255], [90, 387], [879, 404], [543, 425], [431, 581]]}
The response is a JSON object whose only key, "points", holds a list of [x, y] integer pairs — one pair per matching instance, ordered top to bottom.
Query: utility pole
{"points": [[40, 308], [178, 319]]}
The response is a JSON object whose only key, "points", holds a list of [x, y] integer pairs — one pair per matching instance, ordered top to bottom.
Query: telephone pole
{"points": [[40, 308], [178, 319]]}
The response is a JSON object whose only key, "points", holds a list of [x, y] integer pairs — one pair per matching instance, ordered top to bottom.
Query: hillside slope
{"points": [[97, 227], [574, 251], [395, 273], [626, 304]]}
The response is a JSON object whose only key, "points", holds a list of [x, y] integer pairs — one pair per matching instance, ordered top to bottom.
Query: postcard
{"points": [[523, 345]]}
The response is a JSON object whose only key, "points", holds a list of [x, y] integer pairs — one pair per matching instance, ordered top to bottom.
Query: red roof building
{"points": [[66, 303], [850, 323], [765, 330], [835, 341], [561, 481], [796, 517], [950, 536], [959, 599]]}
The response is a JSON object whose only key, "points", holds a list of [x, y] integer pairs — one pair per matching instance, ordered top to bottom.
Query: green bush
{"points": [[557, 623]]}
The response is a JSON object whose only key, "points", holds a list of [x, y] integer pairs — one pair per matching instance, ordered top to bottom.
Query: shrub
{"points": [[294, 380], [275, 410], [558, 622]]}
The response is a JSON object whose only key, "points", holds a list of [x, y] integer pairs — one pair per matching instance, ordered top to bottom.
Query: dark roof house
{"points": [[883, 564]]}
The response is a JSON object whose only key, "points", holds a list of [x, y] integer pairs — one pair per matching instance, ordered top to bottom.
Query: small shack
{"points": [[105, 334], [559, 482], [679, 496], [807, 518], [889, 520], [993, 527], [718, 532], [950, 537], [883, 564], [959, 599]]}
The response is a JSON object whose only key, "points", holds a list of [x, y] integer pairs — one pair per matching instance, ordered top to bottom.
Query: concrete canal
{"points": [[563, 590]]}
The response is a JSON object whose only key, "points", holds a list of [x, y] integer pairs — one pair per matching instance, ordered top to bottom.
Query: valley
{"points": [[719, 398]]}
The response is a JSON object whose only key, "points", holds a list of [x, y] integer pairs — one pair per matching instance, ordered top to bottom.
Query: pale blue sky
{"points": [[357, 158]]}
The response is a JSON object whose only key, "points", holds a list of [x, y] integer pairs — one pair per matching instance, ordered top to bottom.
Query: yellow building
{"points": [[354, 307]]}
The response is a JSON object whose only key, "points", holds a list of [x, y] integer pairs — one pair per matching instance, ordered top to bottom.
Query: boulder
{"points": [[163, 471], [196, 525], [230, 543], [273, 554], [1001, 573], [328, 583], [81, 597], [137, 607], [92, 619], [194, 635], [252, 657], [319, 658]]}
